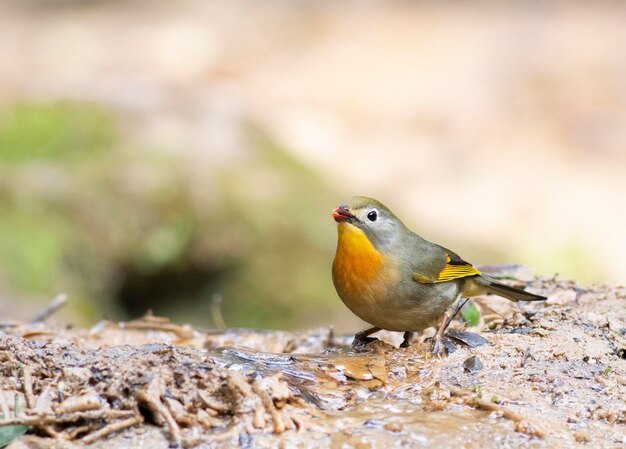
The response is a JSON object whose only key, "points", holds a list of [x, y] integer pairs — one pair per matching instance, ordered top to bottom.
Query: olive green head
{"points": [[380, 225]]}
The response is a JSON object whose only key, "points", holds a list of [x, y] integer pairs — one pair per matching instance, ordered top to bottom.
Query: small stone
{"points": [[562, 298], [467, 338], [472, 364], [77, 375], [393, 427], [528, 428], [581, 437]]}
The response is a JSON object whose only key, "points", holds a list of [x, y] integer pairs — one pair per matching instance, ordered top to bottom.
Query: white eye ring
{"points": [[372, 215]]}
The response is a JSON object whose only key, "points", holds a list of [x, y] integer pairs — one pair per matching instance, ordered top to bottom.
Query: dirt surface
{"points": [[549, 375]]}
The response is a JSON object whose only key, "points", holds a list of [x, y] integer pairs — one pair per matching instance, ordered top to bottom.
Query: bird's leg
{"points": [[457, 309], [363, 337], [407, 337], [438, 346]]}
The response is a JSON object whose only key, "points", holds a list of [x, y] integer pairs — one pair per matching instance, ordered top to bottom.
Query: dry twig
{"points": [[50, 309], [179, 331], [27, 381], [150, 396], [79, 404], [4, 407], [277, 419], [38, 421], [522, 424], [112, 428]]}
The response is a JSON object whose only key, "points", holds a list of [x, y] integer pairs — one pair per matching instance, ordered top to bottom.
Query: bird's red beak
{"points": [[341, 214]]}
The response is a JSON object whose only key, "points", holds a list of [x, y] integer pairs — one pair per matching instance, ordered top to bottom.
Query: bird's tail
{"points": [[512, 293]]}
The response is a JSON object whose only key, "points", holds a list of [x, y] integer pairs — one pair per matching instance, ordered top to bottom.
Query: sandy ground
{"points": [[549, 375]]}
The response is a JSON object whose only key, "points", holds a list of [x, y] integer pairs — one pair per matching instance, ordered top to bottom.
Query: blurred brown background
{"points": [[185, 156]]}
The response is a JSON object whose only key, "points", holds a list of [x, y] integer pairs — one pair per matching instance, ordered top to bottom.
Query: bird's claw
{"points": [[406, 340], [360, 341], [438, 348]]}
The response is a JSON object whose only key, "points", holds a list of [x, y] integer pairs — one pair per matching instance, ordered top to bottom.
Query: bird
{"points": [[395, 280]]}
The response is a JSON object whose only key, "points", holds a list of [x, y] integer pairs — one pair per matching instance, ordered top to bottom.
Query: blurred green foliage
{"points": [[59, 131], [42, 148], [124, 229], [32, 253], [571, 256], [470, 314]]}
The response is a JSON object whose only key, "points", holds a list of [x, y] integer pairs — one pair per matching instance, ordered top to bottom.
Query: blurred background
{"points": [[185, 156]]}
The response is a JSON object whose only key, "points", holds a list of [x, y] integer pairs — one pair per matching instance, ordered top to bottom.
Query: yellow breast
{"points": [[357, 266]]}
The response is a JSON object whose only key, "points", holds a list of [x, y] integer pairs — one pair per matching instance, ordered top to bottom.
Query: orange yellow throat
{"points": [[357, 265]]}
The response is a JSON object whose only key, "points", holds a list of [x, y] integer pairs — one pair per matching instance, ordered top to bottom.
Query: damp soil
{"points": [[543, 375]]}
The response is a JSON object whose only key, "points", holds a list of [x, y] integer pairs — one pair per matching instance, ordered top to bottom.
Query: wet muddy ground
{"points": [[548, 375]]}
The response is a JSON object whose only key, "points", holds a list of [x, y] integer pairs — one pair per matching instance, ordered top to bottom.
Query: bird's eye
{"points": [[372, 215]]}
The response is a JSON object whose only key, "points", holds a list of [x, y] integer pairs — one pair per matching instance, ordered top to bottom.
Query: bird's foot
{"points": [[361, 339], [406, 342], [438, 348]]}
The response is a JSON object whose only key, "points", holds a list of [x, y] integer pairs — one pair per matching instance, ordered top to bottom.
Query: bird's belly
{"points": [[379, 291], [397, 306], [414, 313]]}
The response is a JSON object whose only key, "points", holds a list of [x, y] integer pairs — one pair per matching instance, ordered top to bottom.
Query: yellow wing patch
{"points": [[456, 269]]}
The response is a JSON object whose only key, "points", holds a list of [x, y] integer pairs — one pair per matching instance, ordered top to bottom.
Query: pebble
{"points": [[562, 298], [472, 364], [393, 427], [581, 437]]}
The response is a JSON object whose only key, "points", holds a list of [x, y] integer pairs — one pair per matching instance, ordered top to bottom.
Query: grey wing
{"points": [[427, 262]]}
